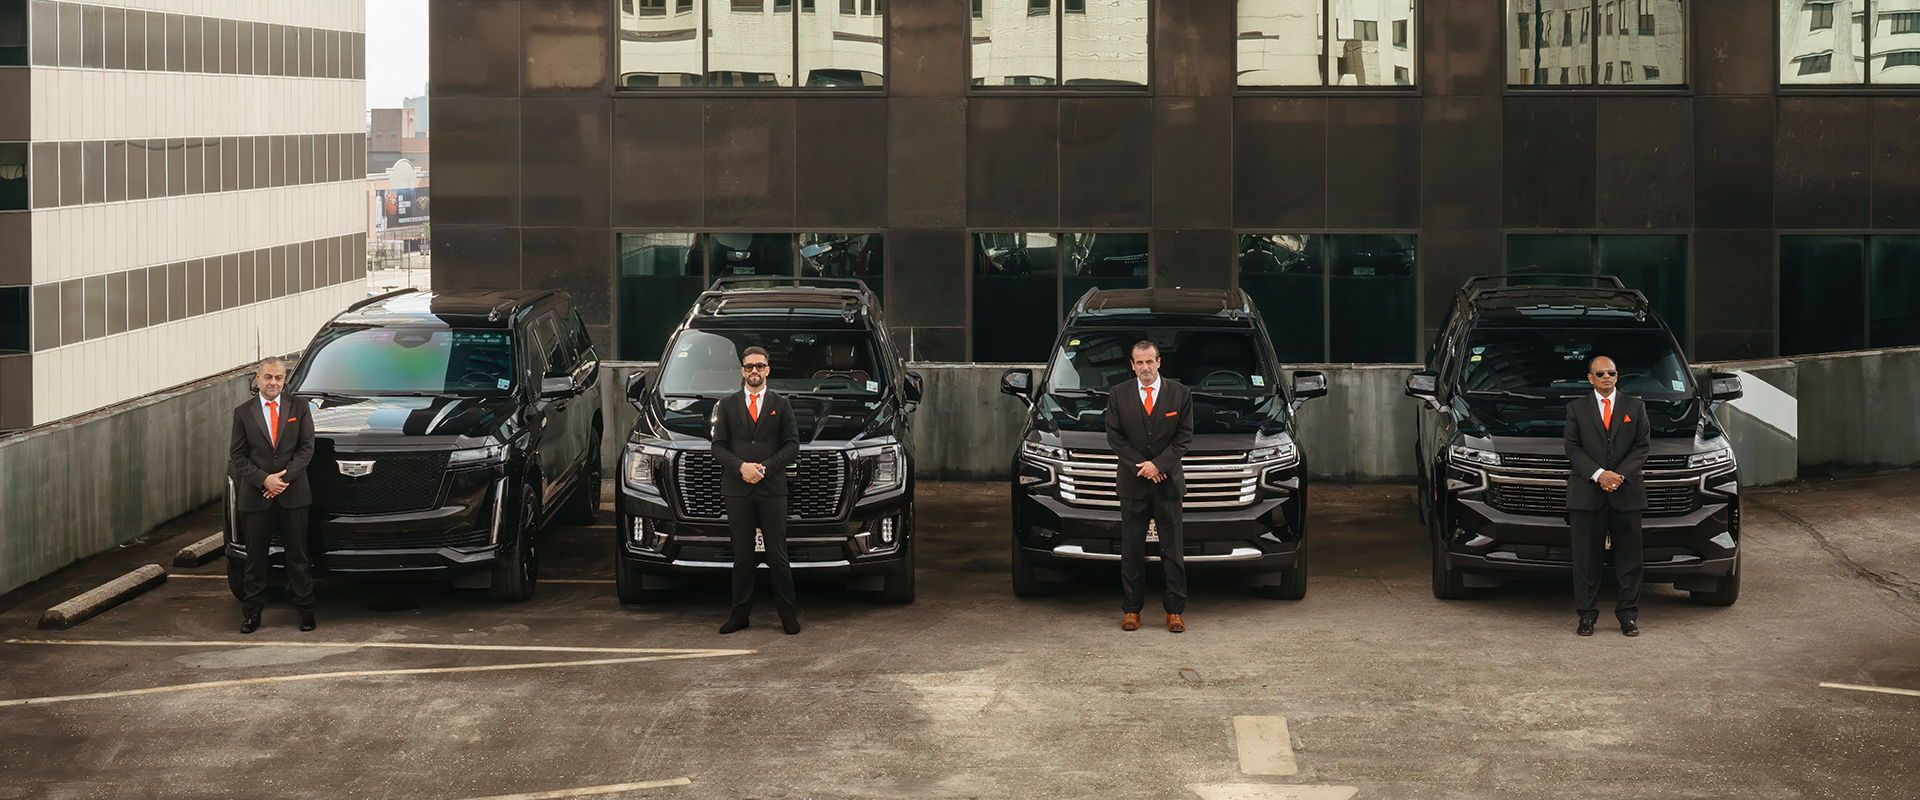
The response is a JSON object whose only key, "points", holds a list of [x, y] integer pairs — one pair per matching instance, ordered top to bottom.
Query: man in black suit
{"points": [[1149, 425], [755, 438], [1607, 440], [272, 445]]}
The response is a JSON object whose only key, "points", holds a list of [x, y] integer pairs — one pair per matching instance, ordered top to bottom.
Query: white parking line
{"points": [[401, 645], [1881, 689], [1265, 747], [587, 790], [1260, 791]]}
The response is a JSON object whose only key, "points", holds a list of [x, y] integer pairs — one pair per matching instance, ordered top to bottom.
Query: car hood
{"points": [[1212, 415], [1489, 415], [408, 417], [686, 418]]}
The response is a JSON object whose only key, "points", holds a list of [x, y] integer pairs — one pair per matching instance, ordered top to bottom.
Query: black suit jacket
{"points": [[1162, 438], [773, 441], [1621, 448], [252, 456]]}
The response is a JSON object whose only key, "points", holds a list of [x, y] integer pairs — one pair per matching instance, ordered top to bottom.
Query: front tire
{"points": [[583, 506], [517, 570], [1293, 581], [1025, 582], [1448, 582], [627, 583], [898, 589], [1726, 592]]}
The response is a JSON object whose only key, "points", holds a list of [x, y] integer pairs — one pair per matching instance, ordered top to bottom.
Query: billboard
{"points": [[399, 208]]}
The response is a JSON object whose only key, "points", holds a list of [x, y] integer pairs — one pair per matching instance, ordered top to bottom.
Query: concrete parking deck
{"points": [[419, 691]]}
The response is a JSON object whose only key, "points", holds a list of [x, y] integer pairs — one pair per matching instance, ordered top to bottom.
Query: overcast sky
{"points": [[396, 51]]}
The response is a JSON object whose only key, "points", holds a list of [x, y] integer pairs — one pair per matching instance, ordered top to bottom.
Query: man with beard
{"points": [[1149, 425], [755, 438], [1607, 438], [272, 445]]}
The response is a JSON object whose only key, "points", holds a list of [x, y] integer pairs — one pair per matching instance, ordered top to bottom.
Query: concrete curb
{"points": [[200, 552], [103, 597]]}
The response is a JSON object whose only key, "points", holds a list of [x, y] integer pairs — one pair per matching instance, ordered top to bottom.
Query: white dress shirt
{"points": [[1150, 387], [1597, 401]]}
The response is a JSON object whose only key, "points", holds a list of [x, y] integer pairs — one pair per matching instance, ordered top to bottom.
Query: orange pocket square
{"points": [[1173, 413], [1628, 419]]}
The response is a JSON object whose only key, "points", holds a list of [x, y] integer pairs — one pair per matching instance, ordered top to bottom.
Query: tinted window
{"points": [[400, 360], [1211, 361], [810, 362], [1552, 363]]}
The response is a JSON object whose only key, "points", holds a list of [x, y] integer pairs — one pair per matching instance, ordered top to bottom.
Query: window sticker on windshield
{"points": [[1074, 343], [681, 354], [1071, 355], [1475, 358], [1259, 380], [502, 382], [873, 386], [1679, 386]]}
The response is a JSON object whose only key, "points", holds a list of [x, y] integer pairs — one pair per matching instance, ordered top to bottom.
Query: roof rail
{"points": [[794, 280], [1474, 284], [356, 306], [493, 314]]}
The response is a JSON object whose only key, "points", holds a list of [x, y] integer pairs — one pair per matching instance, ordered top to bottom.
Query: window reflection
{"points": [[1104, 42], [1281, 42], [1638, 42], [1896, 42], [660, 43], [750, 43], [841, 43], [1823, 43], [1014, 44], [1361, 55], [733, 254], [845, 255], [1102, 261], [1284, 274], [660, 277], [1894, 286], [1822, 294], [1016, 295]]}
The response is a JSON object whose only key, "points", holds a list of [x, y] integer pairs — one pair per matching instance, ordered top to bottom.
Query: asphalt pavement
{"points": [[1368, 688]]}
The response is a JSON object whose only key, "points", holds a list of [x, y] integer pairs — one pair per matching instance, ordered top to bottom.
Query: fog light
{"points": [[886, 531], [639, 532], [1724, 540], [1479, 541]]}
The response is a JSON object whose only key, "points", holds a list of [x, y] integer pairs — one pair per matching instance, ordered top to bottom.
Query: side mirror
{"points": [[1019, 383], [1308, 384], [1425, 385], [915, 386], [1724, 386], [551, 388], [636, 388]]}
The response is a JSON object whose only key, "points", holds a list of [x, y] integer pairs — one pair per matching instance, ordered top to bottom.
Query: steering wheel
{"points": [[476, 376], [1238, 381]]}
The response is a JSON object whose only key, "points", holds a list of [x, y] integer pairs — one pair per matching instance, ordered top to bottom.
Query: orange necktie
{"points": [[1149, 391], [753, 407], [1607, 421], [273, 431]]}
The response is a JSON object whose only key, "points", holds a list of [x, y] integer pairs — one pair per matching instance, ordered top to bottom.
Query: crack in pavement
{"points": [[1892, 581]]}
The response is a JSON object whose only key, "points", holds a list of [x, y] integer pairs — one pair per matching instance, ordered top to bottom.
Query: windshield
{"points": [[355, 361], [1210, 361], [803, 362], [1554, 362]]}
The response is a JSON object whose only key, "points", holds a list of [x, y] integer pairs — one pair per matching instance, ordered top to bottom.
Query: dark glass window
{"points": [[1820, 16], [176, 27], [69, 34], [93, 35], [14, 37], [116, 39], [136, 39], [156, 41], [195, 45], [1102, 45], [156, 151], [196, 166], [93, 172], [72, 173], [44, 174], [13, 176], [736, 254], [1542, 254], [845, 255], [1102, 261], [1656, 265], [661, 275], [1285, 276], [1894, 286], [1822, 294], [1016, 295], [1372, 299], [16, 332], [361, 361]]}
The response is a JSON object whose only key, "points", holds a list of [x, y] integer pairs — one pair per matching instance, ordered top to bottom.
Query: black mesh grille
{"points": [[1559, 462], [399, 482], [815, 488], [1662, 501], [349, 539]]}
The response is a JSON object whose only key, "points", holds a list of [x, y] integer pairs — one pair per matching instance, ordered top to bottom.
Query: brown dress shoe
{"points": [[1129, 622], [1175, 624]]}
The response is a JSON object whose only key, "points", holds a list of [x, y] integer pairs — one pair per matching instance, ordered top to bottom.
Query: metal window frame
{"points": [[1416, 30], [1689, 47], [706, 88], [1059, 88]]}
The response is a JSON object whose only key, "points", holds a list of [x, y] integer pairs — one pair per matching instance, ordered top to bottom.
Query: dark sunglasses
{"points": [[754, 367], [1605, 373]]}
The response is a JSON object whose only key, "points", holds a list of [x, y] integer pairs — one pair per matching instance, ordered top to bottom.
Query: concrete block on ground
{"points": [[200, 552], [102, 597]]}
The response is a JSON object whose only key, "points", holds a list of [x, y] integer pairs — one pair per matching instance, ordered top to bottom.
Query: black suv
{"points": [[449, 427], [1493, 470], [850, 501], [1245, 510]]}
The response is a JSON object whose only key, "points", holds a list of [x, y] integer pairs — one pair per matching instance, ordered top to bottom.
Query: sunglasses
{"points": [[753, 367], [1605, 373]]}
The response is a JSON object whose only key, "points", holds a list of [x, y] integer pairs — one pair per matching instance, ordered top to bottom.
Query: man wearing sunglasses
{"points": [[754, 439], [1607, 441]]}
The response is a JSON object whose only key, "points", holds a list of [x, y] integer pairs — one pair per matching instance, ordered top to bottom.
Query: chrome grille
{"points": [[1222, 480], [399, 482], [816, 485]]}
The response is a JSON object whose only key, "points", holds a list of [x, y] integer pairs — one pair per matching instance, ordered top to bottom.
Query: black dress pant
{"points": [[1164, 509], [769, 514], [257, 529], [1590, 532]]}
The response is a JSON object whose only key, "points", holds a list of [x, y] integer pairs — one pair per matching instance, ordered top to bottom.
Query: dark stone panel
{"points": [[564, 47], [1461, 47], [1733, 47], [927, 48], [1193, 49], [473, 50], [15, 93], [1105, 145], [1824, 149], [749, 155], [476, 160], [657, 161], [1192, 161], [1013, 162], [1280, 162], [1373, 162], [1460, 162], [1644, 162], [1733, 162], [1896, 162], [1549, 170], [841, 172], [563, 177], [926, 184], [16, 249], [467, 258], [1447, 258], [1193, 259], [578, 261], [928, 273], [1733, 280], [94, 297], [138, 305], [115, 306], [72, 311], [46, 316], [937, 344], [1731, 345], [16, 391]]}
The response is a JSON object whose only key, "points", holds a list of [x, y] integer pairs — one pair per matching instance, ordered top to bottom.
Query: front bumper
{"points": [[1260, 538], [446, 543], [1699, 546], [667, 549]]}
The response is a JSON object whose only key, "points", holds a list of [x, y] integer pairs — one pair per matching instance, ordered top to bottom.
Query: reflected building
{"points": [[1055, 42], [1285, 42], [1596, 42], [752, 43], [1829, 43]]}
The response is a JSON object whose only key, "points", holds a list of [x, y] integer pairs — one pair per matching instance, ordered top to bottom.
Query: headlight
{"points": [[1281, 450], [1046, 451], [493, 454], [1721, 454], [1473, 456], [638, 467], [884, 467]]}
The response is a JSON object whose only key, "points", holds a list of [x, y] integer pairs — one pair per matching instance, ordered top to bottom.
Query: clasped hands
{"points": [[1150, 472], [752, 473], [1610, 480], [275, 484]]}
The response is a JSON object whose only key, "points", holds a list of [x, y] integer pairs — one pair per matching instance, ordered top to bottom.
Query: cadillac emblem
{"points": [[356, 469]]}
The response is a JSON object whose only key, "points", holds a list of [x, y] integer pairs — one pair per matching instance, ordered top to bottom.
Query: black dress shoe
{"points": [[306, 621], [249, 623], [790, 623], [733, 624], [1586, 627], [1629, 627]]}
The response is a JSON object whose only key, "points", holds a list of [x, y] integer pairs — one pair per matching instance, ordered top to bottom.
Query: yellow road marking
{"points": [[1881, 689], [1265, 747], [587, 790]]}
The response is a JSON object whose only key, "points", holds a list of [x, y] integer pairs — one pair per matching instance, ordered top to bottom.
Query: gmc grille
{"points": [[1213, 481], [399, 482], [816, 485]]}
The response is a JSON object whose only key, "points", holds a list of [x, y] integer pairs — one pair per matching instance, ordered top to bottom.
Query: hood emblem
{"points": [[356, 469]]}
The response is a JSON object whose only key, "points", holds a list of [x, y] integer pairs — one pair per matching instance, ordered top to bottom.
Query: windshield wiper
{"points": [[1076, 392], [421, 393], [1503, 393], [328, 395]]}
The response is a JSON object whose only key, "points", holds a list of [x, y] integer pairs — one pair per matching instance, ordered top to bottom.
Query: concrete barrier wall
{"points": [[1857, 410], [1764, 425], [1363, 430], [86, 485]]}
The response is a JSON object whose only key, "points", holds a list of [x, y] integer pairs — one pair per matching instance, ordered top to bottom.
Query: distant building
{"points": [[419, 106], [393, 136], [398, 209]]}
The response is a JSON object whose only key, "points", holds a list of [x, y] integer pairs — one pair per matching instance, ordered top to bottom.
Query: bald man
{"points": [[272, 445]]}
